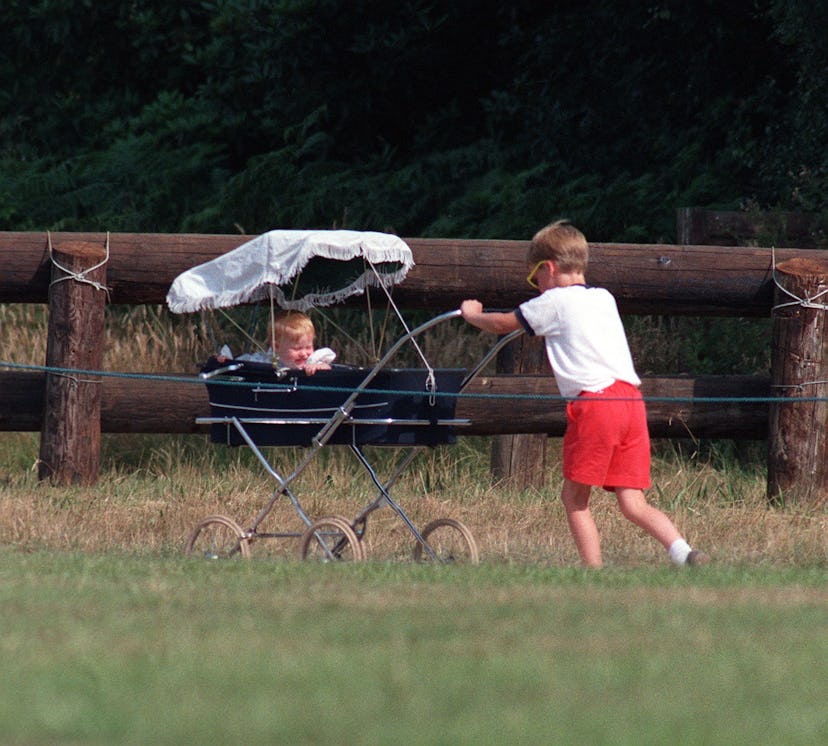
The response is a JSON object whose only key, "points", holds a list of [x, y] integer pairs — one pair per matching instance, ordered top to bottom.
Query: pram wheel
{"points": [[218, 537], [331, 539], [450, 540]]}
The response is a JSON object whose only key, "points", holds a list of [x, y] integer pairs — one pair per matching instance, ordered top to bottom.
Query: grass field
{"points": [[111, 635], [125, 649]]}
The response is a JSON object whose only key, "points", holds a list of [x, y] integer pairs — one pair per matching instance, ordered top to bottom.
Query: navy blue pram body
{"points": [[289, 408]]}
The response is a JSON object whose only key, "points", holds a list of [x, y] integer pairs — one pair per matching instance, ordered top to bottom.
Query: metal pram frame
{"points": [[353, 407]]}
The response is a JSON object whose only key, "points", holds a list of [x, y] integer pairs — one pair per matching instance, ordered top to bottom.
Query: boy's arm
{"points": [[493, 321]]}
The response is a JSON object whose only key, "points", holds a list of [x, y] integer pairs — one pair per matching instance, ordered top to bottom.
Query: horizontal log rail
{"points": [[645, 278], [676, 406]]}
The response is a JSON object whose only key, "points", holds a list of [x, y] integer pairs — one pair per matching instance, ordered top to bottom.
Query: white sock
{"points": [[679, 550]]}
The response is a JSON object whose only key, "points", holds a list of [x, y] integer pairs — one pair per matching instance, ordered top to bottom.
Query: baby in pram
{"points": [[292, 337]]}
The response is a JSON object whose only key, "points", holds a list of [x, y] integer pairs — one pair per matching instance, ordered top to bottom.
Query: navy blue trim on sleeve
{"points": [[524, 323]]}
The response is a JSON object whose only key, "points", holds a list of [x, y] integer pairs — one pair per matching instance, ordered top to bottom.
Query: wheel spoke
{"points": [[218, 537], [331, 540], [449, 541]]}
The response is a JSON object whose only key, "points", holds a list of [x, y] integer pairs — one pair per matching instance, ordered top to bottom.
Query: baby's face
{"points": [[294, 353]]}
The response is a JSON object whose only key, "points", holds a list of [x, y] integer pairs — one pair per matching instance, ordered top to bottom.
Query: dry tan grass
{"points": [[142, 339], [148, 339], [153, 490], [152, 507]]}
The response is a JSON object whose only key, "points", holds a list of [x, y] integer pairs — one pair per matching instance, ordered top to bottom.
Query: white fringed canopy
{"points": [[299, 269]]}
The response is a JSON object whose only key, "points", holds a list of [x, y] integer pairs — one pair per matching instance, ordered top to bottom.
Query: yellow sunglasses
{"points": [[530, 278]]}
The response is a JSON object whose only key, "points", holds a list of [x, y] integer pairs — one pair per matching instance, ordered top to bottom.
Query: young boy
{"points": [[291, 336], [606, 442]]}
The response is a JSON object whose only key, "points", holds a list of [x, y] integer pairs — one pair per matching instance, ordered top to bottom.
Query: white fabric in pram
{"points": [[269, 263], [323, 355]]}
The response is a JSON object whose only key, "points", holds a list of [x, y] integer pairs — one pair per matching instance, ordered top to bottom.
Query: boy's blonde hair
{"points": [[562, 243], [290, 325]]}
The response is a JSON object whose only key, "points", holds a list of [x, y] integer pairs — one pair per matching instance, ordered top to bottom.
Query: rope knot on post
{"points": [[82, 275]]}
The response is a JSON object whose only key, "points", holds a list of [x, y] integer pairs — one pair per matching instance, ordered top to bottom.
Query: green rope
{"points": [[399, 392]]}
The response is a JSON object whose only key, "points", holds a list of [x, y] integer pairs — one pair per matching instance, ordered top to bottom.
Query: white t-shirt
{"points": [[585, 339]]}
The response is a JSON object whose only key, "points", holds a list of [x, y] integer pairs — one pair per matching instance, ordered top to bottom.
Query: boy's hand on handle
{"points": [[470, 309], [497, 322]]}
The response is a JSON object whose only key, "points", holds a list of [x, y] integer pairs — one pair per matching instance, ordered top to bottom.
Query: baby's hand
{"points": [[320, 359], [311, 368]]}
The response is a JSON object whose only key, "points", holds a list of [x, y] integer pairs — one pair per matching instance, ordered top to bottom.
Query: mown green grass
{"points": [[127, 649]]}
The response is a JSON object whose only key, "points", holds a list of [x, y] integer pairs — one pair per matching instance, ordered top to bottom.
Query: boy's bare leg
{"points": [[575, 497], [635, 508]]}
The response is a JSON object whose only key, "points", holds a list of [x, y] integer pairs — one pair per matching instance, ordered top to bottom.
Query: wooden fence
{"points": [[751, 228], [645, 279]]}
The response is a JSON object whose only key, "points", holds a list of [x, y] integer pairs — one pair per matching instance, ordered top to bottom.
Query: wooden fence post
{"points": [[697, 226], [798, 423], [70, 438], [520, 460]]}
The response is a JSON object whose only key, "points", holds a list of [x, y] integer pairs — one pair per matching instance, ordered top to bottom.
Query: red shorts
{"points": [[607, 443]]}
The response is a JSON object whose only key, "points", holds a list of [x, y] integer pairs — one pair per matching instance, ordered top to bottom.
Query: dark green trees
{"points": [[459, 119]]}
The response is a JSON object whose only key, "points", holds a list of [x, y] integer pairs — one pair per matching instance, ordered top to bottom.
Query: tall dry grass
{"points": [[153, 489]]}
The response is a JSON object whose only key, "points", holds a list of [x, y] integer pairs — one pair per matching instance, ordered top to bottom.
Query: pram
{"points": [[257, 405]]}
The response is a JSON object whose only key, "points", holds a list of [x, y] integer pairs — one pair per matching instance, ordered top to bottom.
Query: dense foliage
{"points": [[480, 119]]}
